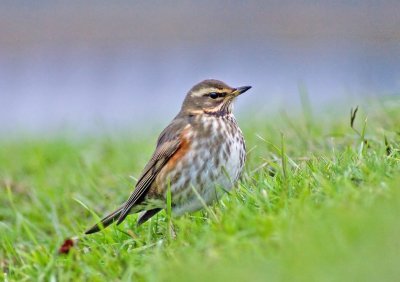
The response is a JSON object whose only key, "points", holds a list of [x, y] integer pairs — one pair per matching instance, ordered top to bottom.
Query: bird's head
{"points": [[211, 97]]}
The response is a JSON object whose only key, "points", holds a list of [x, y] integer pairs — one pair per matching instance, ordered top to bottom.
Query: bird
{"points": [[198, 156]]}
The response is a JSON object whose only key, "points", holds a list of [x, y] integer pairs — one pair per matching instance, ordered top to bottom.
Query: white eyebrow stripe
{"points": [[204, 91]]}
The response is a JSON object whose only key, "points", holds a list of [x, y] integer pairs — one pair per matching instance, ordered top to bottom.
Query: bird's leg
{"points": [[171, 229]]}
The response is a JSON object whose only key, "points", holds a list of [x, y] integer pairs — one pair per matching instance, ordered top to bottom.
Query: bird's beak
{"points": [[241, 90]]}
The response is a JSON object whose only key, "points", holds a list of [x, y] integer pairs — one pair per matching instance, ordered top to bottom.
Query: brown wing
{"points": [[168, 144]]}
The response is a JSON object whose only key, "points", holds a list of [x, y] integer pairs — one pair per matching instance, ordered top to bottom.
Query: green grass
{"points": [[318, 202]]}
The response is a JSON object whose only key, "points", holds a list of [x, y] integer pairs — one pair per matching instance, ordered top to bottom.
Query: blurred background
{"points": [[86, 65]]}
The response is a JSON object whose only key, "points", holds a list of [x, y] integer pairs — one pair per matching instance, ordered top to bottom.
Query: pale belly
{"points": [[210, 167]]}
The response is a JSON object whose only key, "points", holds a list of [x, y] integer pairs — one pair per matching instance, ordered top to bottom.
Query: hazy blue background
{"points": [[112, 64]]}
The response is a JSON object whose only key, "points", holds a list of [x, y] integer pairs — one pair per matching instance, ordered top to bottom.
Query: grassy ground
{"points": [[318, 202]]}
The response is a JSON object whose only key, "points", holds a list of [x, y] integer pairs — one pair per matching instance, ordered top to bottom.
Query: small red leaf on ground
{"points": [[67, 245]]}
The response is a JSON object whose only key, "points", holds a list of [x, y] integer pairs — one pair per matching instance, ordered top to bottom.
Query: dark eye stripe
{"points": [[215, 95]]}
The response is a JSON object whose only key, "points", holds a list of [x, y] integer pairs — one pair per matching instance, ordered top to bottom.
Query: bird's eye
{"points": [[213, 95]]}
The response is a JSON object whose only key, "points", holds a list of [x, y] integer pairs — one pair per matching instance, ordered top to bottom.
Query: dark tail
{"points": [[147, 215], [109, 219], [106, 221]]}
